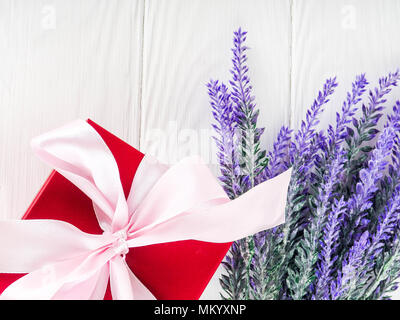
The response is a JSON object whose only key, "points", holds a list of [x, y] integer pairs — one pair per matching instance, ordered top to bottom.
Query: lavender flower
{"points": [[366, 125], [225, 127], [307, 129], [337, 135], [303, 151], [302, 156], [253, 158], [278, 158], [241, 159], [369, 178], [390, 181], [361, 202], [388, 220], [388, 223], [341, 238], [330, 241], [329, 245], [265, 258], [263, 264], [387, 273], [301, 278], [347, 278], [234, 284]]}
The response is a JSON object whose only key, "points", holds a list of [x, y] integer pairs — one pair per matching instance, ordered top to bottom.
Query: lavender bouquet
{"points": [[341, 238]]}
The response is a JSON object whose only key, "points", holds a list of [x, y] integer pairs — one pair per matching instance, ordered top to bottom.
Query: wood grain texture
{"points": [[341, 38], [188, 42], [61, 60], [139, 67]]}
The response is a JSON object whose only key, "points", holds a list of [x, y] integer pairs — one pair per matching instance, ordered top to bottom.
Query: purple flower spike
{"points": [[241, 88], [365, 126], [225, 127], [307, 129], [337, 135], [279, 157], [241, 159], [253, 159], [369, 179], [360, 203], [389, 219], [387, 223], [341, 236], [329, 245], [347, 278], [299, 281]]}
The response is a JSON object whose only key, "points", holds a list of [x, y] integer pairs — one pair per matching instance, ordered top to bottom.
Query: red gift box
{"points": [[175, 270]]}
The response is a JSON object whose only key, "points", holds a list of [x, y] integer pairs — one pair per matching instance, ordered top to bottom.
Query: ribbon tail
{"points": [[261, 208], [28, 245], [83, 277], [101, 283], [124, 284], [93, 288], [141, 291]]}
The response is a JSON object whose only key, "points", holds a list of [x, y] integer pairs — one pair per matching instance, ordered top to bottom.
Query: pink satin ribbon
{"points": [[165, 204]]}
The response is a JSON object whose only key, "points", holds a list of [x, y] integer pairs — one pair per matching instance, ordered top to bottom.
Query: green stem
{"points": [[250, 259]]}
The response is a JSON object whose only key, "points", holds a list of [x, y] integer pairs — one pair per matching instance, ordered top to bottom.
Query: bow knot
{"points": [[165, 204], [120, 245]]}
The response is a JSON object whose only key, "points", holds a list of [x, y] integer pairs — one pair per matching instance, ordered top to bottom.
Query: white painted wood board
{"points": [[61, 60], [139, 68]]}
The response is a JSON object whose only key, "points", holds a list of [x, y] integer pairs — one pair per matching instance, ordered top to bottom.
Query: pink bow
{"points": [[175, 203]]}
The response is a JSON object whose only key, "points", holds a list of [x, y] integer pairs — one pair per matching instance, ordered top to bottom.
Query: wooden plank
{"points": [[341, 38], [188, 42], [63, 60]]}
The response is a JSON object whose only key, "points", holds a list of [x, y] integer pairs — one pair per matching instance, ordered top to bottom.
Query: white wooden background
{"points": [[139, 68]]}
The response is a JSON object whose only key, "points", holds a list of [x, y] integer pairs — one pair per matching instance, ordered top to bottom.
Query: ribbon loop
{"points": [[184, 202], [120, 245]]}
